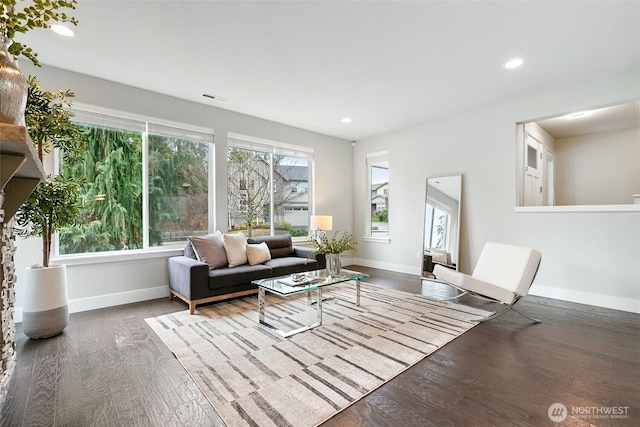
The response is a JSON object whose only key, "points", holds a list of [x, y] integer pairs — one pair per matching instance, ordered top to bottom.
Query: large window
{"points": [[178, 174], [378, 184], [143, 185], [268, 187]]}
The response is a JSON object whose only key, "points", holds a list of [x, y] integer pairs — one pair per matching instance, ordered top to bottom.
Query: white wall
{"points": [[600, 168], [589, 257], [134, 277]]}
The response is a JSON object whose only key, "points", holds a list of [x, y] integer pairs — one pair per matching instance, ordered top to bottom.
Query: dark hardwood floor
{"points": [[109, 369]]}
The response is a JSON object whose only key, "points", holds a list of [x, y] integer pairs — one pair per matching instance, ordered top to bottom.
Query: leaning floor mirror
{"points": [[441, 238]]}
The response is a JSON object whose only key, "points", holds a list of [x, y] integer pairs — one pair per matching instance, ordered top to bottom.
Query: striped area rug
{"points": [[253, 377]]}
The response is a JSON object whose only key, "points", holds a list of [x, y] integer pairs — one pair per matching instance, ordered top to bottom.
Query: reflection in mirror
{"points": [[589, 157], [441, 239]]}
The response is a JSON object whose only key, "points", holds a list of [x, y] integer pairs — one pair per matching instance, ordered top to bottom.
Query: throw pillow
{"points": [[236, 247], [210, 250], [258, 253]]}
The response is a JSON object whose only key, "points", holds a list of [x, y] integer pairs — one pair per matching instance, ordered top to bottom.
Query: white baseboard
{"points": [[400, 268], [109, 300], [598, 300]]}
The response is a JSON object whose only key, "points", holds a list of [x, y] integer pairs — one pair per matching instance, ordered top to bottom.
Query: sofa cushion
{"points": [[235, 246], [279, 246], [210, 249], [189, 252], [258, 253], [289, 265], [223, 277], [468, 283]]}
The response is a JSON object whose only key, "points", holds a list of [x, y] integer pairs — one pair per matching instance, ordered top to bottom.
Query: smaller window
{"points": [[378, 184]]}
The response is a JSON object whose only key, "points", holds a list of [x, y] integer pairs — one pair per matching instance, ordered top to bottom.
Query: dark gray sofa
{"points": [[193, 282]]}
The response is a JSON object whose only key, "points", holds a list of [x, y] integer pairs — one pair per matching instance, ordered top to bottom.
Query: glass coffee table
{"points": [[314, 281]]}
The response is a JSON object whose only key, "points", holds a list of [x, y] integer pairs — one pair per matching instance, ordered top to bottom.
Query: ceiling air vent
{"points": [[215, 97]]}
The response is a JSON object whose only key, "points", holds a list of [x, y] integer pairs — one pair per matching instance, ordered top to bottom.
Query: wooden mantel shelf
{"points": [[20, 167]]}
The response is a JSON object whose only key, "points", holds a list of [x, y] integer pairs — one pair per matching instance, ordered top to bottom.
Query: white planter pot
{"points": [[46, 310]]}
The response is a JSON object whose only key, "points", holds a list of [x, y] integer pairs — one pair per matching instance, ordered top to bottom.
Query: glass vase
{"points": [[333, 264]]}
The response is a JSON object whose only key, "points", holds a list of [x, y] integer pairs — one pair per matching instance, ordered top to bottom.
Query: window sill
{"points": [[376, 239], [301, 241], [118, 256]]}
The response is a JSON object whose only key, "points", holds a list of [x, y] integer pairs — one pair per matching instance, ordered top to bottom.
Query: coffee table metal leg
{"points": [[311, 302], [261, 305], [319, 307], [261, 316]]}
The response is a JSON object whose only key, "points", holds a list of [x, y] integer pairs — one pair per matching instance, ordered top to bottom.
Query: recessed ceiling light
{"points": [[62, 30], [514, 63], [578, 115], [346, 120]]}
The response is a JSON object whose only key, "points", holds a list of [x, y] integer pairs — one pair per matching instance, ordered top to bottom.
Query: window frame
{"points": [[99, 116], [252, 143], [375, 160]]}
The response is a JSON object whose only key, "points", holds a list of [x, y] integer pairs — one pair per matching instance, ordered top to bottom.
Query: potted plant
{"points": [[36, 14], [53, 204], [331, 248]]}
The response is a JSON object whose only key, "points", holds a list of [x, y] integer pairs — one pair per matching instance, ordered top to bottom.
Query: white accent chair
{"points": [[503, 274]]}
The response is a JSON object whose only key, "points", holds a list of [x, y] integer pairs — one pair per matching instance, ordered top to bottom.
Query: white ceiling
{"points": [[385, 64], [606, 119]]}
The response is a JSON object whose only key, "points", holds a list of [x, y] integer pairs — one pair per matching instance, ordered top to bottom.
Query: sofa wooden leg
{"points": [[170, 296], [192, 307]]}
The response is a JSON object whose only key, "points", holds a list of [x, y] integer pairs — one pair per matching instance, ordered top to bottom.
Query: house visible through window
{"points": [[378, 182], [277, 199]]}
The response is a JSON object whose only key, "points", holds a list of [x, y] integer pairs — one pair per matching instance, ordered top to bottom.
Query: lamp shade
{"points": [[321, 222]]}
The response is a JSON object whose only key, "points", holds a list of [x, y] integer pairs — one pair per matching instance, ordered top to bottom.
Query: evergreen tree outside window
{"points": [[110, 173], [178, 180], [142, 185]]}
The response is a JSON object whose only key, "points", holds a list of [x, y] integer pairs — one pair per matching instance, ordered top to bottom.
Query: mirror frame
{"points": [[426, 262]]}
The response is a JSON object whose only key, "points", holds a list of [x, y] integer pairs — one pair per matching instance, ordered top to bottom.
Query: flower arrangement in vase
{"points": [[332, 247]]}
